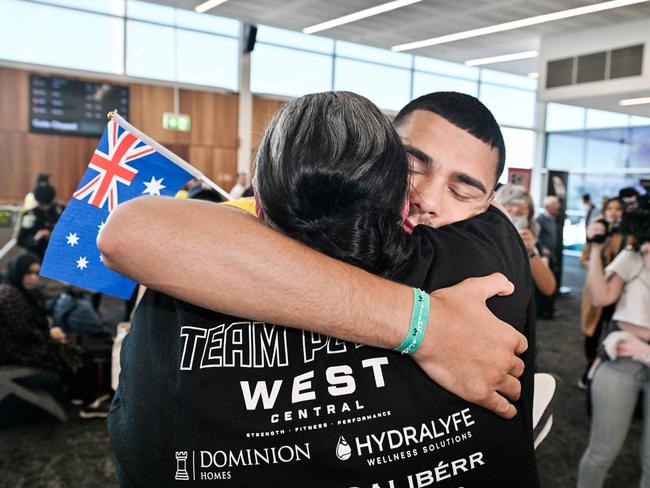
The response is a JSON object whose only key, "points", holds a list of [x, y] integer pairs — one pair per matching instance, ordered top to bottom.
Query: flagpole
{"points": [[168, 154]]}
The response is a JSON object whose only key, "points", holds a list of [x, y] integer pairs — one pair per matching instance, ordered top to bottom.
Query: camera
{"points": [[600, 238]]}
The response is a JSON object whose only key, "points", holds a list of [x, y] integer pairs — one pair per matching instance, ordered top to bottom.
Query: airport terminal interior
{"points": [[107, 101]]}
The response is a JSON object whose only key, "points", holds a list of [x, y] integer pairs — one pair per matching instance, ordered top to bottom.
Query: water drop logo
{"points": [[343, 449]]}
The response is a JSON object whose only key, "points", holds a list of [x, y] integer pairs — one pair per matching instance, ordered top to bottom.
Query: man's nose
{"points": [[427, 199]]}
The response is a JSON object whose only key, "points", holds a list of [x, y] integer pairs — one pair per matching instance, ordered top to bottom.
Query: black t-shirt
{"points": [[209, 399]]}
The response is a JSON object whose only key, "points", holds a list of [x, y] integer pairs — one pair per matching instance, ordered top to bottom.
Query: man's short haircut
{"points": [[465, 112], [331, 172]]}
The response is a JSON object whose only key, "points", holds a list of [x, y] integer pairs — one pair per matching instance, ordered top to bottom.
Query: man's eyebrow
{"points": [[419, 154], [471, 181]]}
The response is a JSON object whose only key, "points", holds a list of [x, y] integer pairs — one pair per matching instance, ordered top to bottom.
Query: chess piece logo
{"points": [[181, 466]]}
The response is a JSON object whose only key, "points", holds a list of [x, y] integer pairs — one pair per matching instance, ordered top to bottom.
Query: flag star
{"points": [[154, 186], [101, 226], [72, 238], [101, 258], [82, 263]]}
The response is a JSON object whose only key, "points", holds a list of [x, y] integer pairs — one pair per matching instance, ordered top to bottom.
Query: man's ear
{"points": [[490, 201]]}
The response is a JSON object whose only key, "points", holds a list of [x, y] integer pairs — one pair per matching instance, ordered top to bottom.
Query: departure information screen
{"points": [[64, 106]]}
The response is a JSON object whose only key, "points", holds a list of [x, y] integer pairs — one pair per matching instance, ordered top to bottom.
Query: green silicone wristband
{"points": [[418, 324]]}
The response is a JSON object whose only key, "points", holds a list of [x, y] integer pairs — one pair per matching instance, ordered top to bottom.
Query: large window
{"points": [[53, 36], [163, 43], [151, 51], [302, 71], [424, 83], [390, 86], [510, 106], [560, 117], [520, 149], [600, 161]]}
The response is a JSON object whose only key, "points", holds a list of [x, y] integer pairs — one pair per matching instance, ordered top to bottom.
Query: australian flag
{"points": [[125, 165]]}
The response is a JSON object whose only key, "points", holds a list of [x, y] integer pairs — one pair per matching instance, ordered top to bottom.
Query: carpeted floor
{"points": [[39, 453]]}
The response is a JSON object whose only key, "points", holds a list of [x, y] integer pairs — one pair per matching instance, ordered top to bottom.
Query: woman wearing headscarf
{"points": [[27, 338]]}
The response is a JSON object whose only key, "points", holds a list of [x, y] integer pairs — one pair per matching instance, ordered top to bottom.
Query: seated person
{"points": [[37, 223], [73, 314], [28, 339], [212, 397]]}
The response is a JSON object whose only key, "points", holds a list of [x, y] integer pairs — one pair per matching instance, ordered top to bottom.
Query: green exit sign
{"points": [[179, 122]]}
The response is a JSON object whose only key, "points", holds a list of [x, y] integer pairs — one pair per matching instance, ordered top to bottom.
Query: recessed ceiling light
{"points": [[205, 6], [362, 14], [517, 24], [501, 59], [534, 75], [634, 101]]}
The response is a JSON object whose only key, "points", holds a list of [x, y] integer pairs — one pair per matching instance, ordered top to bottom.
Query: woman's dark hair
{"points": [[331, 172], [612, 200], [18, 268], [14, 274]]}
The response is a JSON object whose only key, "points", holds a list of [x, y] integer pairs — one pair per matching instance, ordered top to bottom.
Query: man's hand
{"points": [[469, 351]]}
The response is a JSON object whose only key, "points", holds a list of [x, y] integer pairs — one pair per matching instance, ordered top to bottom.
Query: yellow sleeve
{"points": [[245, 204]]}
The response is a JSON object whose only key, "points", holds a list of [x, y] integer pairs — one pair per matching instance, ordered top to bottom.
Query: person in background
{"points": [[243, 183], [184, 192], [30, 202], [589, 208], [521, 210], [36, 224], [547, 238], [73, 314], [594, 317], [28, 339], [623, 372]]}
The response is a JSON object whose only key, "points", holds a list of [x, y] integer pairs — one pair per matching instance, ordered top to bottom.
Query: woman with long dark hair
{"points": [[593, 318], [624, 370]]}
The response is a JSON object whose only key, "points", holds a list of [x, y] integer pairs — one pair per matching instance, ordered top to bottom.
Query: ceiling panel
{"points": [[430, 18], [424, 20]]}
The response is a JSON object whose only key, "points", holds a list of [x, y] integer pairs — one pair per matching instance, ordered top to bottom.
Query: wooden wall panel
{"points": [[14, 99], [146, 106], [263, 111], [214, 118], [211, 144], [13, 163], [220, 165]]}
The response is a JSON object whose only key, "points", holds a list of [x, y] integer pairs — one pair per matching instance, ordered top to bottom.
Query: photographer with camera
{"points": [[594, 317], [624, 370]]}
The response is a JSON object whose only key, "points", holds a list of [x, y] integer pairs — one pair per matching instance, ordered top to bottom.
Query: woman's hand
{"points": [[595, 229], [530, 241], [57, 334], [635, 349]]}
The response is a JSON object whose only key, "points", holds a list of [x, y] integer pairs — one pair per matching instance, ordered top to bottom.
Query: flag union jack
{"points": [[112, 168]]}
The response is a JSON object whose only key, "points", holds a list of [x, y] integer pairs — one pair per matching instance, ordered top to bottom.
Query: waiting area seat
{"points": [[10, 385]]}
